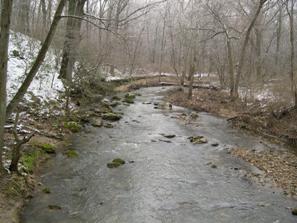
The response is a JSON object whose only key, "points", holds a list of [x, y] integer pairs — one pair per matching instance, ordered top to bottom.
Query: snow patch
{"points": [[22, 54]]}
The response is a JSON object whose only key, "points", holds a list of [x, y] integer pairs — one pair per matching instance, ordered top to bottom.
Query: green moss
{"points": [[129, 98], [111, 116], [72, 126], [48, 148], [71, 153], [29, 160], [120, 161], [116, 163], [46, 190]]}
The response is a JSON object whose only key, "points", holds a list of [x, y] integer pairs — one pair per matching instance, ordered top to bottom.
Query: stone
{"points": [[115, 98], [111, 117], [97, 122], [108, 125], [168, 136], [198, 139], [215, 144], [116, 163], [213, 166], [46, 190], [54, 207], [294, 211]]}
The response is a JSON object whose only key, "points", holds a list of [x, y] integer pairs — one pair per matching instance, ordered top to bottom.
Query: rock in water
{"points": [[111, 117], [97, 122], [168, 136], [198, 139], [116, 163], [294, 211]]}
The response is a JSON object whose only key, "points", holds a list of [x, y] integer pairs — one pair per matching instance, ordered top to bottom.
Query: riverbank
{"points": [[52, 128], [278, 166]]}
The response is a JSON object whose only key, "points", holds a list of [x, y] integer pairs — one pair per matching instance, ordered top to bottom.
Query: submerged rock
{"points": [[111, 116], [108, 125], [168, 136], [198, 139], [116, 163], [46, 190], [54, 207], [294, 211]]}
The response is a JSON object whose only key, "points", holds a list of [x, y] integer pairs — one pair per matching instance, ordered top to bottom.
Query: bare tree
{"points": [[6, 11]]}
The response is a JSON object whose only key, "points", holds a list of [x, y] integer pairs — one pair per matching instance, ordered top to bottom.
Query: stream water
{"points": [[165, 183]]}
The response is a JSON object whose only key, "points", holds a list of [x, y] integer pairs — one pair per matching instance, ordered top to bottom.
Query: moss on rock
{"points": [[72, 126], [198, 139], [48, 148], [71, 153], [116, 163], [46, 190]]}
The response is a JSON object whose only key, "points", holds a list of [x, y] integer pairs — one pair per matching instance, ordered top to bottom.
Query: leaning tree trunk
{"points": [[4, 40], [244, 47], [39, 60]]}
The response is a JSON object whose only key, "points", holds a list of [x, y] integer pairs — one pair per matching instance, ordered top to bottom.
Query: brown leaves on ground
{"points": [[145, 82], [207, 100], [278, 166]]}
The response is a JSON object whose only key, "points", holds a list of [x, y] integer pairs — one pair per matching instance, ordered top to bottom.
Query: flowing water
{"points": [[165, 183]]}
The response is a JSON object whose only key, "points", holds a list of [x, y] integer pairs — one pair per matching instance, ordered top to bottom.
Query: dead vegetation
{"points": [[279, 167]]}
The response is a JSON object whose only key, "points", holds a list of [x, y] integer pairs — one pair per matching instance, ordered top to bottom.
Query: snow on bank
{"points": [[22, 53]]}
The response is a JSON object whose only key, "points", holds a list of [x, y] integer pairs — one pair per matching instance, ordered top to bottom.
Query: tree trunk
{"points": [[6, 11], [72, 39], [278, 39], [244, 47], [258, 53], [292, 56], [39, 60], [230, 67], [191, 76], [16, 155]]}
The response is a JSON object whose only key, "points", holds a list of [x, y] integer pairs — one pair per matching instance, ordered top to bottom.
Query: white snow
{"points": [[45, 85]]}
